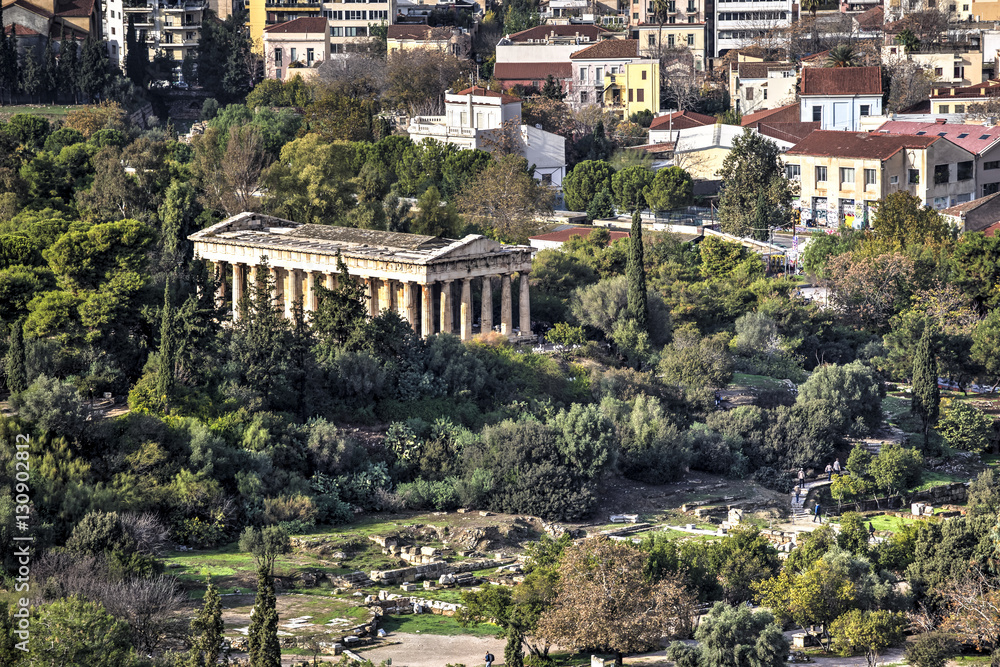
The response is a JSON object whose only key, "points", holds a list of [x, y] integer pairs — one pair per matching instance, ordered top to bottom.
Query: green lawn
{"points": [[53, 111], [755, 381], [896, 407], [930, 479], [889, 522], [432, 624], [971, 659]]}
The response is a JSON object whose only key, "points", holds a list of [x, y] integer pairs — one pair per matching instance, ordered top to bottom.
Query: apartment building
{"points": [[675, 12], [740, 23], [114, 26], [170, 26], [446, 39], [655, 40], [295, 47], [529, 57], [956, 63], [612, 74], [758, 86], [839, 97], [960, 98], [982, 142], [842, 174]]}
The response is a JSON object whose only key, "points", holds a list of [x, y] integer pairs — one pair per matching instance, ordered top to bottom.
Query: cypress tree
{"points": [[136, 54], [69, 68], [50, 71], [94, 73], [31, 80], [761, 220], [635, 270], [17, 375], [165, 376], [926, 400], [206, 631], [264, 649]]}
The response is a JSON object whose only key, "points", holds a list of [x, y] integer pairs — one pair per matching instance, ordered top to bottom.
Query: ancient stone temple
{"points": [[427, 280]]}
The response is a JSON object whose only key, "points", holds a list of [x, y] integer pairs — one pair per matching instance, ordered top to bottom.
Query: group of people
{"points": [[830, 470]]}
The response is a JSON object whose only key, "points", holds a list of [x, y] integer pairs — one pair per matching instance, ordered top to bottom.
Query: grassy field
{"points": [[50, 111], [755, 381], [930, 479], [889, 522], [432, 624]]}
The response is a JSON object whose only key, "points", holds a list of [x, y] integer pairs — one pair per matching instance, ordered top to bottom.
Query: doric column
{"points": [[220, 277], [331, 281], [239, 285], [277, 287], [294, 292], [372, 292], [384, 296], [410, 299], [311, 302], [466, 310], [427, 311], [506, 312], [525, 314], [447, 320], [486, 324]]}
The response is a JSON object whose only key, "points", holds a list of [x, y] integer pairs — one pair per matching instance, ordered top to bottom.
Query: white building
{"points": [[739, 23], [173, 27], [114, 31], [295, 47], [839, 97], [473, 118]]}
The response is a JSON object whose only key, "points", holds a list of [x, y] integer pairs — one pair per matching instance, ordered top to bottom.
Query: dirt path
{"points": [[435, 650]]}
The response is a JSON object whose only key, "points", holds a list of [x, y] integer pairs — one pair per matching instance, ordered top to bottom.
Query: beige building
{"points": [[678, 12], [654, 40], [456, 41], [295, 47], [955, 64], [759, 86], [958, 100], [841, 174], [427, 280]]}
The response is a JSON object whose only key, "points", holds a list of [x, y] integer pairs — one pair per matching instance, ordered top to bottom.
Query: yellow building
{"points": [[262, 13], [673, 39], [955, 64], [636, 87], [958, 100]]}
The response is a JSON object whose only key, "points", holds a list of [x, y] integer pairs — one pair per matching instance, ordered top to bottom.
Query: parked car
{"points": [[181, 85]]}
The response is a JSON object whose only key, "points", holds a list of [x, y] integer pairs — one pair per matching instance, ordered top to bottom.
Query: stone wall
{"points": [[944, 494]]}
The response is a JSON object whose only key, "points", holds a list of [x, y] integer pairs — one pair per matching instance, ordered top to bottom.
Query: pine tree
{"points": [[8, 61], [69, 68], [50, 71], [94, 72], [31, 80], [602, 205], [635, 270], [17, 375], [165, 376], [926, 398], [206, 631], [264, 649]]}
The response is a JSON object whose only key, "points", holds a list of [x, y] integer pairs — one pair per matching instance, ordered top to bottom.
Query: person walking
{"points": [[836, 466], [829, 472], [802, 476], [797, 490], [817, 514], [871, 531], [489, 659]]}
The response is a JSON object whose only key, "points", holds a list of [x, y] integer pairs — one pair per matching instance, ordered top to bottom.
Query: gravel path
{"points": [[436, 650]]}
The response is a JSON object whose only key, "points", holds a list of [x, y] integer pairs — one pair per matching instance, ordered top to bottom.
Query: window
{"points": [[671, 6], [691, 7], [635, 15], [672, 19], [691, 19], [112, 31], [336, 32], [652, 40], [670, 40], [690, 40], [293, 55], [309, 57], [277, 58], [938, 72], [959, 72], [277, 73], [583, 74], [599, 74], [643, 75], [749, 93], [765, 93], [630, 94], [640, 95], [583, 97], [944, 108], [959, 108], [866, 110], [817, 114], [963, 135], [984, 137], [992, 164], [965, 170], [793, 172], [820, 174], [941, 174], [914, 176], [846, 177], [869, 177], [546, 179], [894, 180], [990, 188]]}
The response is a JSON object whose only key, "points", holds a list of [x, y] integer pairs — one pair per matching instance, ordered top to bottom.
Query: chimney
{"points": [[940, 121]]}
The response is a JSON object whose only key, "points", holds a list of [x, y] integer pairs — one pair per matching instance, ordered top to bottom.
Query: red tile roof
{"points": [[75, 8], [871, 19], [301, 25], [20, 30], [418, 32], [541, 32], [609, 49], [818, 57], [759, 70], [531, 71], [841, 81], [479, 91], [786, 114], [681, 120], [790, 132], [973, 138], [860, 146], [654, 149], [961, 209], [564, 235]]}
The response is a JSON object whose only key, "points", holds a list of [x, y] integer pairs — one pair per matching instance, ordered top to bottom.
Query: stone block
{"points": [[408, 587]]}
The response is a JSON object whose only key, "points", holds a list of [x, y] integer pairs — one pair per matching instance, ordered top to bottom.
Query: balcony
{"points": [[313, 5], [181, 26]]}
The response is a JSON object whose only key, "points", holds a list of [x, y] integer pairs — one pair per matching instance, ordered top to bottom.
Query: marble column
{"points": [[220, 278], [331, 281], [239, 284], [277, 287], [293, 291], [372, 291], [384, 296], [311, 302], [410, 303], [466, 310], [427, 311], [506, 312], [525, 314], [447, 319], [486, 324]]}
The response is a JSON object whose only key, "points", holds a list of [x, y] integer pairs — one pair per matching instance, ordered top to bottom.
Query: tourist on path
{"points": [[836, 466], [829, 472], [802, 476], [797, 490], [817, 514], [871, 531], [489, 659]]}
